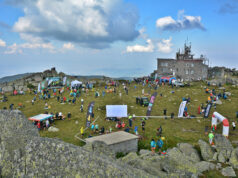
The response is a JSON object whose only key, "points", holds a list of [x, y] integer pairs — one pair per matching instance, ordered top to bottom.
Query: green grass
{"points": [[175, 131]]}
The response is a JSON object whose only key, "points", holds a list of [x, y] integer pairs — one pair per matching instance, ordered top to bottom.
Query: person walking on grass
{"points": [[211, 136], [153, 146]]}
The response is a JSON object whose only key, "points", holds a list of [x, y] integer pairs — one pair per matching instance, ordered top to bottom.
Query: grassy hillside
{"points": [[175, 131]]}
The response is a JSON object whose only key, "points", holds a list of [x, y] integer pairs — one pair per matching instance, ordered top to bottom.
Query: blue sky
{"points": [[113, 37]]}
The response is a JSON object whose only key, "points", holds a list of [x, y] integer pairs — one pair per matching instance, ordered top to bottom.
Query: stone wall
{"points": [[164, 67], [188, 70], [125, 147]]}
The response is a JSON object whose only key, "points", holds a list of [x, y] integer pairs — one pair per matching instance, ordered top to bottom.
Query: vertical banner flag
{"points": [[156, 75], [64, 80], [43, 85], [39, 87], [152, 99], [181, 108], [207, 111], [90, 114]]}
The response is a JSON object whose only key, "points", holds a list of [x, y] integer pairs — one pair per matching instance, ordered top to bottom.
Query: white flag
{"points": [[64, 80], [39, 87], [181, 109]]}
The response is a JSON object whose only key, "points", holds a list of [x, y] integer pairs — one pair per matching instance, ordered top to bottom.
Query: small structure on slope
{"points": [[118, 141]]}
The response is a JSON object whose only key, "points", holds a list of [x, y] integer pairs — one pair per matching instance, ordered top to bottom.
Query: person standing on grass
{"points": [[165, 112], [69, 115], [172, 115], [130, 121], [47, 123], [38, 125], [143, 125], [233, 125], [92, 127], [96, 128], [136, 130], [206, 130], [82, 131], [159, 131], [211, 136], [160, 144], [153, 146]]}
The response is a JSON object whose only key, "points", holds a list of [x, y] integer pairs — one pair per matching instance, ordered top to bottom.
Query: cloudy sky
{"points": [[113, 37]]}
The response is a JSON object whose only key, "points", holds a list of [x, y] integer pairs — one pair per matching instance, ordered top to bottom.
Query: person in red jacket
{"points": [[38, 125]]}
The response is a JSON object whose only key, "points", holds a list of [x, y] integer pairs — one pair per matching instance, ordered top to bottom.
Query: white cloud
{"points": [[92, 23], [182, 23], [142, 33], [2, 43], [165, 45], [68, 46], [140, 48], [13, 49], [18, 49]]}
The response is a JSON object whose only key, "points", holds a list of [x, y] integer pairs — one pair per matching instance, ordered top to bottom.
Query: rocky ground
{"points": [[23, 153]]}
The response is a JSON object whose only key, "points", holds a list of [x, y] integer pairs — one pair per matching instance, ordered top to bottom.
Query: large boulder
{"points": [[53, 129], [222, 143], [223, 147], [206, 150], [189, 151], [142, 152], [23, 153], [221, 158], [234, 158], [133, 160], [177, 162], [205, 166], [228, 172]]}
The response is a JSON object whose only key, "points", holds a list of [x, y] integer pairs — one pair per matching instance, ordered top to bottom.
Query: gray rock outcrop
{"points": [[223, 147], [206, 150], [189, 151], [23, 153], [234, 158], [205, 166], [228, 172]]}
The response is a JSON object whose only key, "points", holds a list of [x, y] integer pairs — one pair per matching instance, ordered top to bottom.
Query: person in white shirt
{"points": [[60, 116], [47, 123], [233, 125]]}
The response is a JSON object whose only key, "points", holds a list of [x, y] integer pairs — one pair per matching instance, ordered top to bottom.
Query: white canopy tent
{"points": [[76, 83], [116, 110]]}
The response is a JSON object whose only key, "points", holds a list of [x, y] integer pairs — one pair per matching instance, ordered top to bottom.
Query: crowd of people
{"points": [[76, 96]]}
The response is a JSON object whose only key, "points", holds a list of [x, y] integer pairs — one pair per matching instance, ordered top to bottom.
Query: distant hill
{"points": [[90, 76], [102, 76], [13, 77], [87, 77], [124, 78]]}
